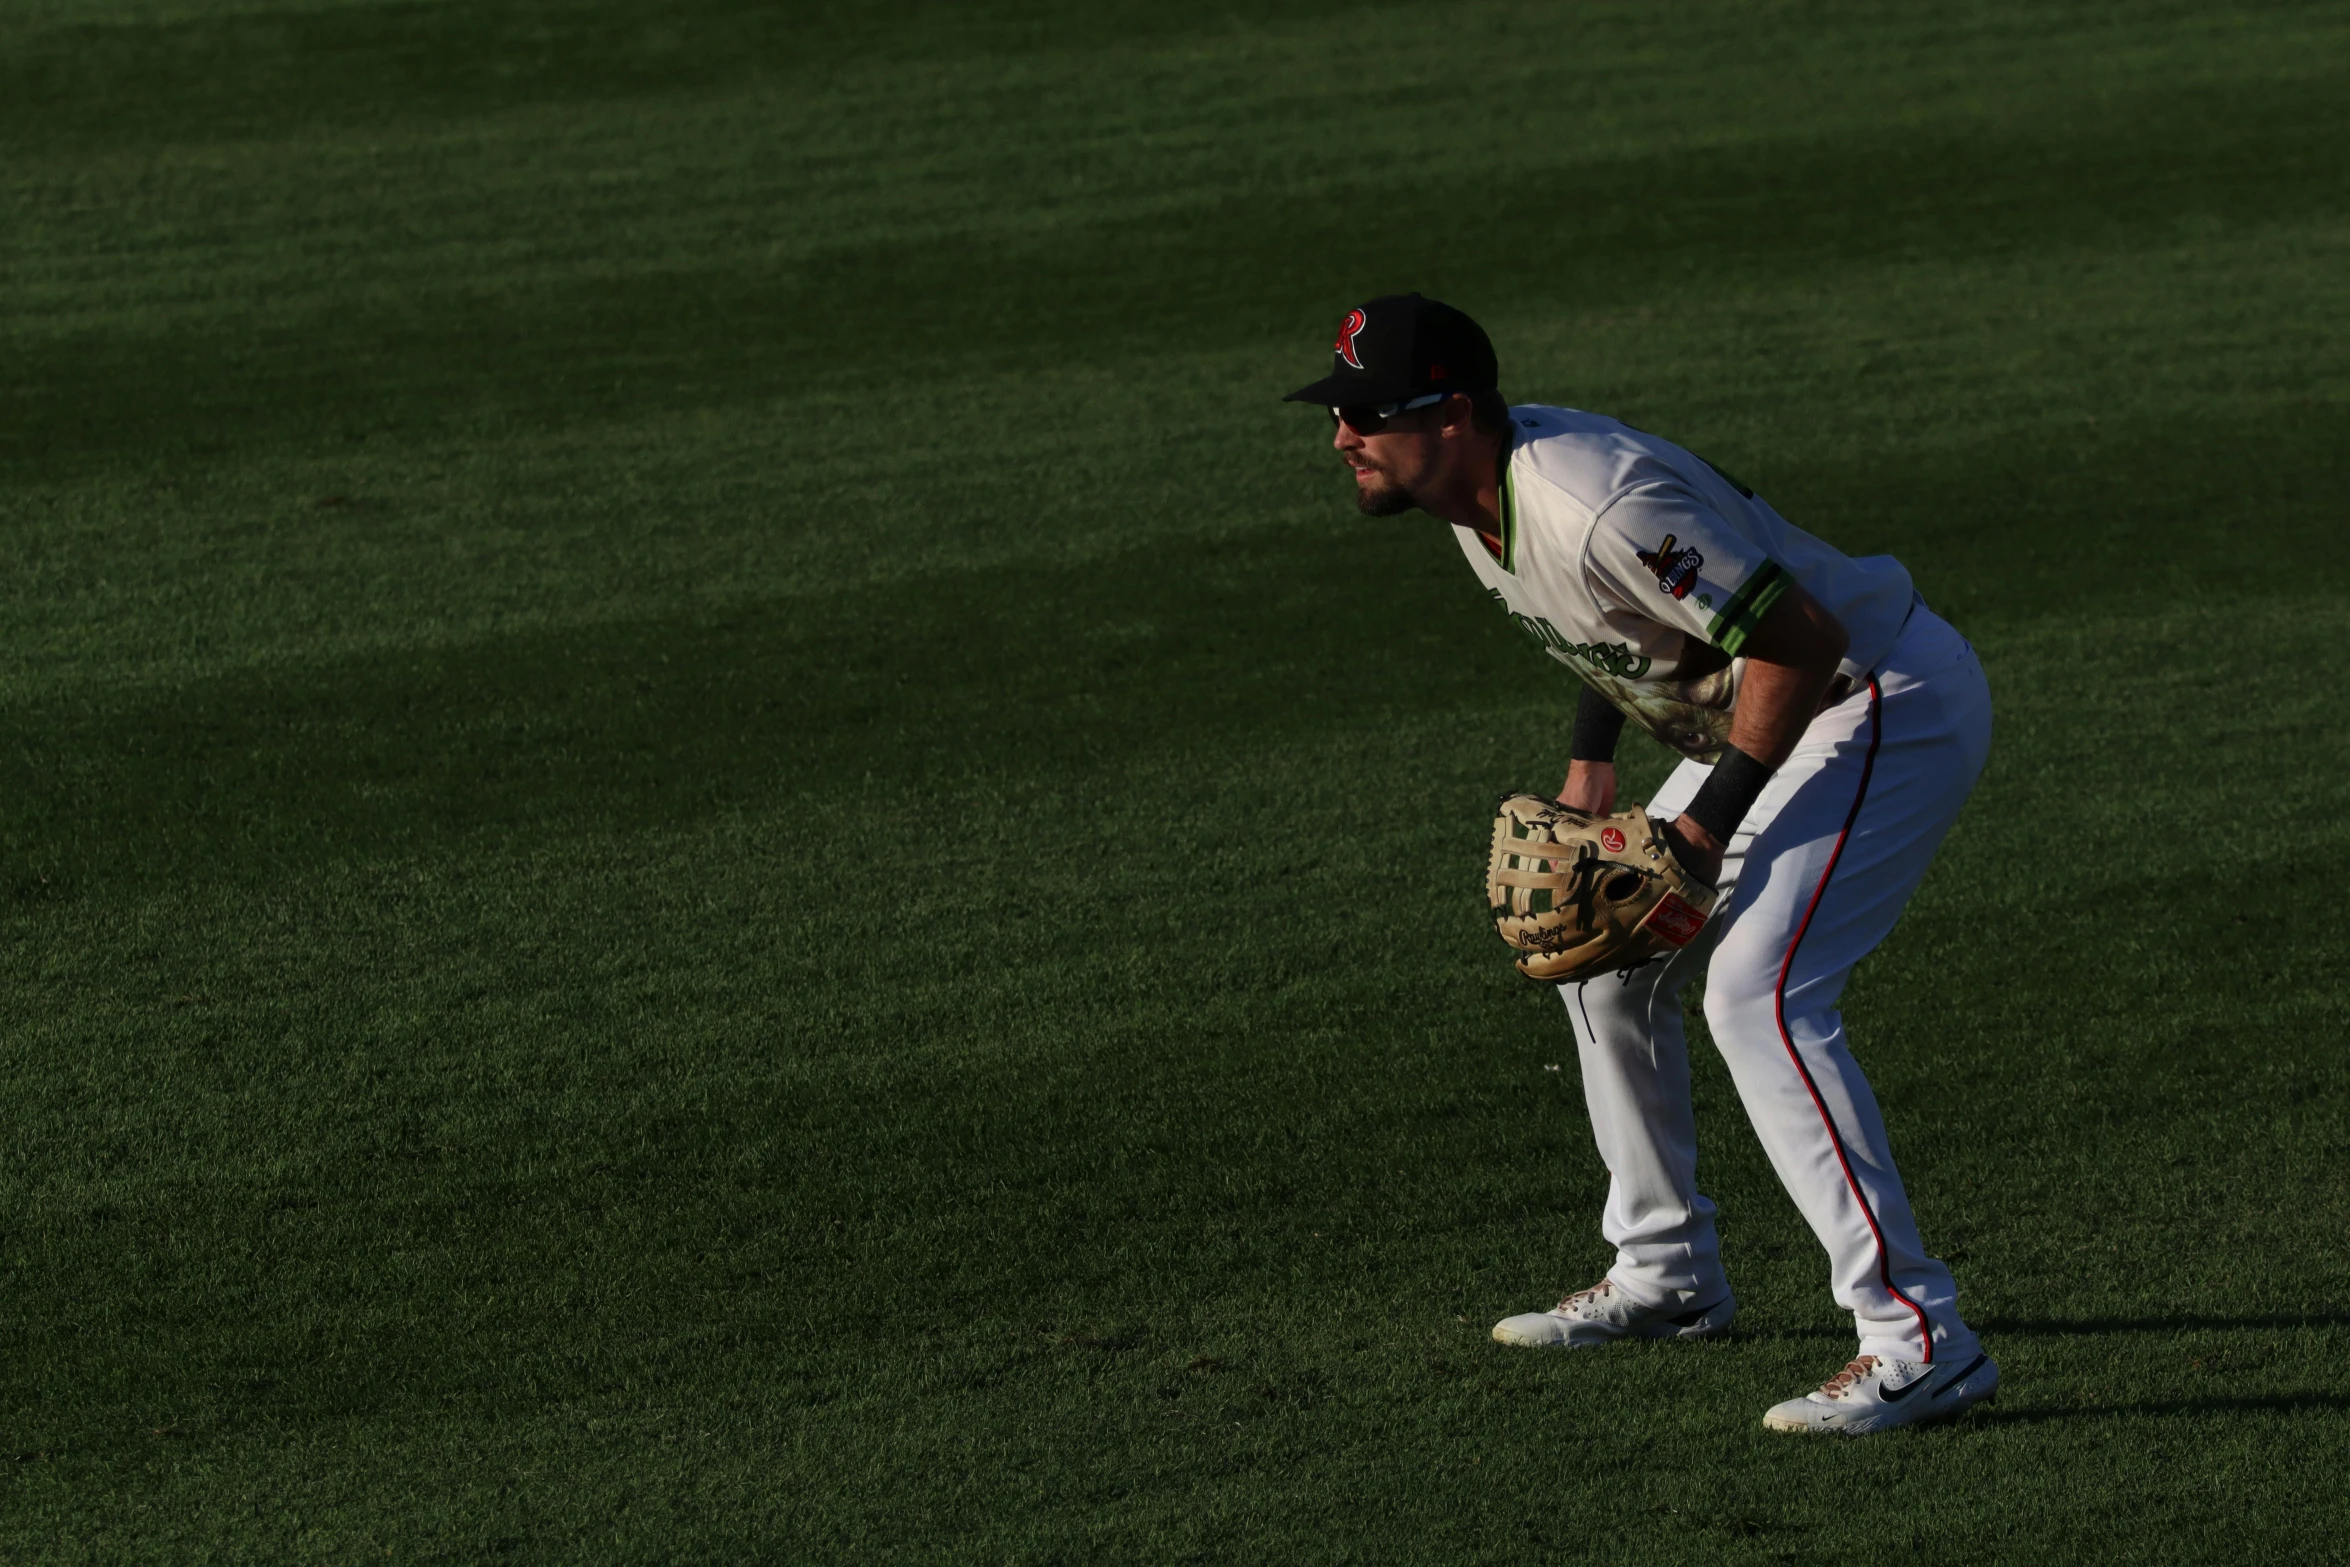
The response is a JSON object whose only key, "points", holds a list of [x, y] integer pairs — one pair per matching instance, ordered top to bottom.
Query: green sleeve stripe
{"points": [[1509, 519], [1770, 577], [1747, 607]]}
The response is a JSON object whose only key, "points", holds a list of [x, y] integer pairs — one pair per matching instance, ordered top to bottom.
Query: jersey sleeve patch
{"points": [[1667, 555], [1675, 569]]}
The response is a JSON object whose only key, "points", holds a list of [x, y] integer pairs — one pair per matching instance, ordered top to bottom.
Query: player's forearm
{"points": [[1790, 659], [1775, 705], [1590, 786]]}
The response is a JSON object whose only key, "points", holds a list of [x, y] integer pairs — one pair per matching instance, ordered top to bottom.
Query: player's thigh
{"points": [[1828, 874]]}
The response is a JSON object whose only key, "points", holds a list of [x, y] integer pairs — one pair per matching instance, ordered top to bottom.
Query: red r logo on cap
{"points": [[1345, 346]]}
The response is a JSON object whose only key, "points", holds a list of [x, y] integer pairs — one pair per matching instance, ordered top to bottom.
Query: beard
{"points": [[1383, 498]]}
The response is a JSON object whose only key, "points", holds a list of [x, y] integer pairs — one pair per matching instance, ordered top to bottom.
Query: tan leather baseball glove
{"points": [[1581, 895]]}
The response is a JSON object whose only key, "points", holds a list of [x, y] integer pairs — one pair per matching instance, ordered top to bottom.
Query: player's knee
{"points": [[1740, 998]]}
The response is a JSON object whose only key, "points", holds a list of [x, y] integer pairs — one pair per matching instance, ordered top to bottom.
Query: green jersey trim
{"points": [[1509, 518], [1747, 606]]}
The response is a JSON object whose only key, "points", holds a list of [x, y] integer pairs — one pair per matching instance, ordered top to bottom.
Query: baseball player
{"points": [[1830, 727]]}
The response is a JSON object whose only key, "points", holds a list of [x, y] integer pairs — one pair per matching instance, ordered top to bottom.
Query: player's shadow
{"points": [[2184, 1322], [2244, 1404], [2013, 1413]]}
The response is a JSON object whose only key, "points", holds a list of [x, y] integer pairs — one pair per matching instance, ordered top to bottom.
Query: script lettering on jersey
{"points": [[1675, 569], [1609, 658]]}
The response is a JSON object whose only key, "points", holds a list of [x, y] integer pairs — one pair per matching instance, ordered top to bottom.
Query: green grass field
{"points": [[719, 846]]}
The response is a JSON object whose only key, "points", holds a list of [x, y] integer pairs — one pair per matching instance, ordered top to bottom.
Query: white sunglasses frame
{"points": [[1390, 410]]}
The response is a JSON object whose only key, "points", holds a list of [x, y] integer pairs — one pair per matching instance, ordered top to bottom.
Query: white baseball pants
{"points": [[1815, 878]]}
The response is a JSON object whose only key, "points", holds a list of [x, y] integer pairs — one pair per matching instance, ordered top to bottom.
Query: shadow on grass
{"points": [[446, 349], [1023, 674], [1026, 676], [2184, 1322], [2246, 1404]]}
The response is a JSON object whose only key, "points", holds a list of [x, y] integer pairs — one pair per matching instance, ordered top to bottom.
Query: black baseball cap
{"points": [[1401, 346]]}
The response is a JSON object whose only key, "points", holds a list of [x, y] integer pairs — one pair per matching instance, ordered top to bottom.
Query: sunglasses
{"points": [[1371, 418]]}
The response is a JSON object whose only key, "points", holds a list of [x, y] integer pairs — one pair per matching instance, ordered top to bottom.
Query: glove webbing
{"points": [[1585, 869]]}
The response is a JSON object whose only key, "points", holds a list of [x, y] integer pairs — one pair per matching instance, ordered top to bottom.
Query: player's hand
{"points": [[1590, 786], [1699, 852]]}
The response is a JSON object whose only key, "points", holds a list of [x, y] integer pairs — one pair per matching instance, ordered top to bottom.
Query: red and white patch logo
{"points": [[1345, 346], [1676, 569], [1612, 839], [1675, 919]]}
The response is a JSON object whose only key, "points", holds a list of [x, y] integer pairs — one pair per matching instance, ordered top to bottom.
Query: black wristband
{"points": [[1599, 724], [1728, 793]]}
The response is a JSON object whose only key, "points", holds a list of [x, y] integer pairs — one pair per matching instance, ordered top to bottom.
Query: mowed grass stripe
{"points": [[761, 309], [1930, 439], [1008, 669]]}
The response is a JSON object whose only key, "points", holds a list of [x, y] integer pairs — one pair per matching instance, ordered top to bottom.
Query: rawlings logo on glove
{"points": [[1580, 895]]}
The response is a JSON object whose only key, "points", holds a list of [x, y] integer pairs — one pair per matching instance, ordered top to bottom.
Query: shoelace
{"points": [[1603, 1287], [1841, 1383]]}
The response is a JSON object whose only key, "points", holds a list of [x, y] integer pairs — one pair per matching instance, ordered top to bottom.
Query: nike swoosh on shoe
{"points": [[1894, 1395]]}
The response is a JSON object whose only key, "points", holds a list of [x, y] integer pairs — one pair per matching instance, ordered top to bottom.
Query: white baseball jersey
{"points": [[1644, 569]]}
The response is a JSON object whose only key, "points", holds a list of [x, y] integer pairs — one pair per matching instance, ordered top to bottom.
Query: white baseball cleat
{"points": [[1602, 1314], [1874, 1394]]}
